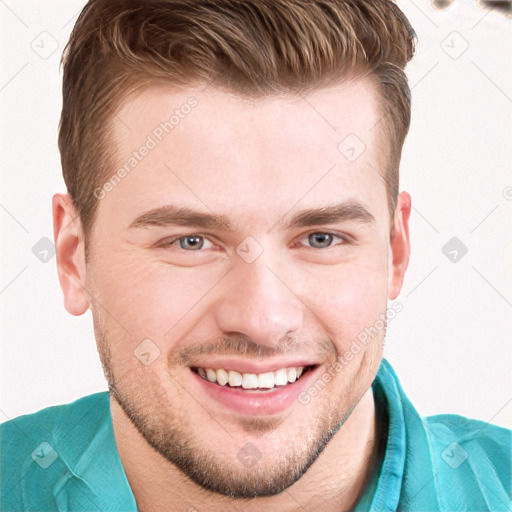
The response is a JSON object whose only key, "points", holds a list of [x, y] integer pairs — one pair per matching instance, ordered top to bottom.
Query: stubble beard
{"points": [[176, 441]]}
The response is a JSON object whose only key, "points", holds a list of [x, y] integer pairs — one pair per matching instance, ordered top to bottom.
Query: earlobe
{"points": [[399, 247], [70, 254]]}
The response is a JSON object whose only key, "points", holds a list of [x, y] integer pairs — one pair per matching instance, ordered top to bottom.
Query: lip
{"points": [[250, 366], [249, 403]]}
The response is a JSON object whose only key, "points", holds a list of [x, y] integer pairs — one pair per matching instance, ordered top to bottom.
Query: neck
{"points": [[337, 479]]}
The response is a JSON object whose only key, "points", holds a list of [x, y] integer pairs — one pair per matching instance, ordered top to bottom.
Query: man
{"points": [[234, 225]]}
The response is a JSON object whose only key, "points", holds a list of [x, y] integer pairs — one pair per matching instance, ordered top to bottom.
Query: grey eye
{"points": [[320, 240], [191, 242]]}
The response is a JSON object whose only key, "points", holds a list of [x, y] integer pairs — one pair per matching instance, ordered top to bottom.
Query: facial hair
{"points": [[174, 438]]}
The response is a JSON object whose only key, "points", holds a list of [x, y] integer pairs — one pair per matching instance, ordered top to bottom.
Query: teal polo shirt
{"points": [[64, 458]]}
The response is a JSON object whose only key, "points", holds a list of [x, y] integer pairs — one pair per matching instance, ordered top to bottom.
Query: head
{"points": [[232, 174]]}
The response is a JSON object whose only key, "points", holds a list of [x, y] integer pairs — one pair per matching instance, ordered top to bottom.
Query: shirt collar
{"points": [[406, 474], [95, 478]]}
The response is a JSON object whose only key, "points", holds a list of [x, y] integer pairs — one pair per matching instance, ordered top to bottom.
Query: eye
{"points": [[321, 240], [191, 243]]}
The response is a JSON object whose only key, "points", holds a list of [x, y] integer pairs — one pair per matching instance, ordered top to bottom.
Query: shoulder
{"points": [[46, 419], [52, 423], [466, 430], [475, 435], [35, 446], [472, 461], [451, 462]]}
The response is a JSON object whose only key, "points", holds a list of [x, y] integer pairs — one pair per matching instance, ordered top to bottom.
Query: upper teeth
{"points": [[265, 380]]}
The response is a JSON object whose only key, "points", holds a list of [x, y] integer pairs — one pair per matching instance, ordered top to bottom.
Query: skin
{"points": [[257, 163]]}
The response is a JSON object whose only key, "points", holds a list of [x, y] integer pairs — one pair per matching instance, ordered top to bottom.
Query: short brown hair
{"points": [[249, 47]]}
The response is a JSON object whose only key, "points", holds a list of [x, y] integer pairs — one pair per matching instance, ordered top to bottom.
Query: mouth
{"points": [[253, 382], [251, 393]]}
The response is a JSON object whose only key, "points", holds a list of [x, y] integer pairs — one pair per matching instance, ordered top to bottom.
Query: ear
{"points": [[399, 246], [70, 254]]}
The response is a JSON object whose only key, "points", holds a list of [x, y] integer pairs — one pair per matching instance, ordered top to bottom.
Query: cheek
{"points": [[148, 298], [352, 300]]}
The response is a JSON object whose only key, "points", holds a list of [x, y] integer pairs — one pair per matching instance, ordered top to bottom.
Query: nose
{"points": [[258, 302]]}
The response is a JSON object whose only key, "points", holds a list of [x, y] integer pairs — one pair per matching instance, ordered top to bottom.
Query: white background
{"points": [[451, 343]]}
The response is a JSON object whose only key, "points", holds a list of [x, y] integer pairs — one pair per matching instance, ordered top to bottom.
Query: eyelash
{"points": [[345, 240]]}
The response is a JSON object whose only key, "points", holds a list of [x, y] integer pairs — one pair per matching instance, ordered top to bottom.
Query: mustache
{"points": [[242, 345]]}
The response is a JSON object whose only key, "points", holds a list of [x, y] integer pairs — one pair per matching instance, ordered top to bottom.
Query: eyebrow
{"points": [[350, 210], [169, 215], [173, 215]]}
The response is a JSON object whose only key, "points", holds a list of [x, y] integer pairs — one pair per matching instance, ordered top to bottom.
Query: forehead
{"points": [[213, 149]]}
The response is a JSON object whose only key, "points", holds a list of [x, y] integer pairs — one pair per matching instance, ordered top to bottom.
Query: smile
{"points": [[252, 381], [255, 388]]}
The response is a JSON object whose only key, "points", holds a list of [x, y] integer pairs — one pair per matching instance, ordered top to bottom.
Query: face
{"points": [[232, 265]]}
